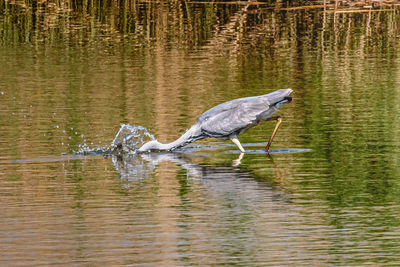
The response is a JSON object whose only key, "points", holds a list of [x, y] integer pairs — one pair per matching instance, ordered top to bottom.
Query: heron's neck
{"points": [[185, 139], [180, 142]]}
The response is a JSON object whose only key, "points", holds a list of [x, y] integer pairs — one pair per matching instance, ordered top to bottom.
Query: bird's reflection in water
{"points": [[238, 161], [138, 166], [278, 175], [222, 176]]}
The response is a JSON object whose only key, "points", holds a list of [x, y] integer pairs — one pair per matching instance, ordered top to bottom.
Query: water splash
{"points": [[129, 138], [126, 142]]}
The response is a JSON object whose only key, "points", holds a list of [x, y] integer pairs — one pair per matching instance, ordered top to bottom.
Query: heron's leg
{"points": [[278, 122], [235, 140]]}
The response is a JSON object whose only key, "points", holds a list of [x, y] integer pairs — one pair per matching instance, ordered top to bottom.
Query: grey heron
{"points": [[228, 120]]}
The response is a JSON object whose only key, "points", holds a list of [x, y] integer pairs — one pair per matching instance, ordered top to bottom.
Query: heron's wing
{"points": [[231, 117]]}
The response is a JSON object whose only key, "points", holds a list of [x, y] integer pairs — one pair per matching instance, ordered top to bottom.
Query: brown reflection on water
{"points": [[166, 96], [34, 205], [166, 213]]}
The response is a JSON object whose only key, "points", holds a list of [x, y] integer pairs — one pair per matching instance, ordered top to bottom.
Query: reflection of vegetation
{"points": [[189, 23], [94, 64]]}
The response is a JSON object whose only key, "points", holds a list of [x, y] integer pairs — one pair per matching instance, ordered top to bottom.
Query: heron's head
{"points": [[280, 97], [151, 145]]}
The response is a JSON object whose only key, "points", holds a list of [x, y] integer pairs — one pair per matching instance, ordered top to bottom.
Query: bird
{"points": [[228, 120]]}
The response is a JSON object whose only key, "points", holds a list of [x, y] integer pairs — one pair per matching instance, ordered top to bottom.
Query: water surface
{"points": [[72, 72]]}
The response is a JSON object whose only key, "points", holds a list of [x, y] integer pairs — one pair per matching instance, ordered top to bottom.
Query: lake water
{"points": [[71, 73]]}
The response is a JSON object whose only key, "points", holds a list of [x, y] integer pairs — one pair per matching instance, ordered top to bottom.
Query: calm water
{"points": [[70, 73]]}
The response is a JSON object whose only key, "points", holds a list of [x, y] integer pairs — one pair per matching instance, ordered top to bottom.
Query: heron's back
{"points": [[236, 116]]}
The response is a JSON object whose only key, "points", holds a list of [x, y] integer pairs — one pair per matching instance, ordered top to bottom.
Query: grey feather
{"points": [[236, 116]]}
